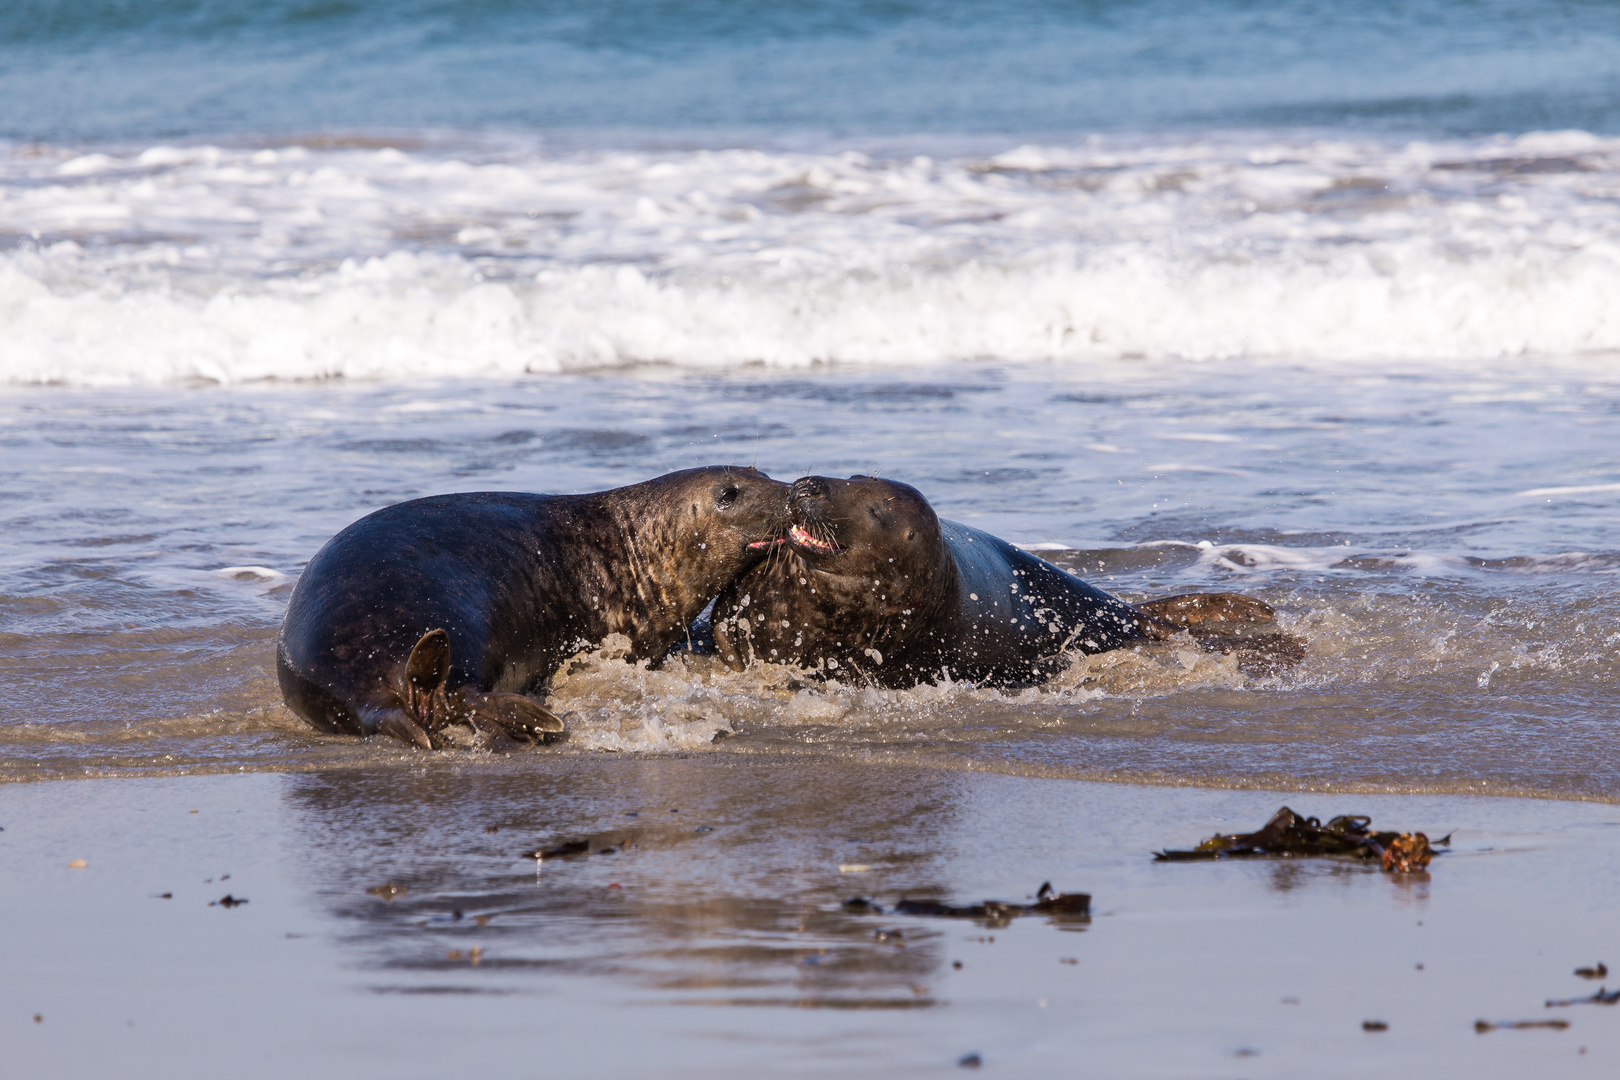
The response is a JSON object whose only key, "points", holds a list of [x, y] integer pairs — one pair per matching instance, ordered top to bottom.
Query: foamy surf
{"points": [[184, 263], [692, 701]]}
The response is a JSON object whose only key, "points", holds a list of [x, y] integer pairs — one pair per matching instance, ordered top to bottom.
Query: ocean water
{"points": [[1313, 303]]}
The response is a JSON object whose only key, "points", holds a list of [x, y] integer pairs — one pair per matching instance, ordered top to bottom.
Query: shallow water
{"points": [[1310, 303], [1442, 540]]}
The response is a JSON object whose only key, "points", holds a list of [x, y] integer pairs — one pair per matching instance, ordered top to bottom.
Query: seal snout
{"points": [[808, 487], [811, 531]]}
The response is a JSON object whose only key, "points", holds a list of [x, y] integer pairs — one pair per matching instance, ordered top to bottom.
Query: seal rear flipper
{"points": [[1193, 609], [429, 662], [520, 717], [396, 725]]}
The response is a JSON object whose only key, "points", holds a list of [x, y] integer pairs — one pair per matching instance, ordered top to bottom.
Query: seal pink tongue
{"points": [[768, 543]]}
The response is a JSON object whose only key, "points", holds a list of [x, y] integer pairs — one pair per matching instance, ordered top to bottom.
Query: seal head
{"points": [[874, 581]]}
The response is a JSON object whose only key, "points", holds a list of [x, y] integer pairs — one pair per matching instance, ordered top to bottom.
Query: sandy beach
{"points": [[713, 941]]}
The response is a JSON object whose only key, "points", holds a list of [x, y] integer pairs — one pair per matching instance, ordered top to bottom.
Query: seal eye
{"points": [[727, 495]]}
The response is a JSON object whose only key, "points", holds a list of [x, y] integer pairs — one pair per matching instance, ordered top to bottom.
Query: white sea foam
{"points": [[162, 264], [1575, 489], [250, 573], [691, 702]]}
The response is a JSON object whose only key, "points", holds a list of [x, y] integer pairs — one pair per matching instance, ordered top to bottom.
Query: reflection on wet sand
{"points": [[707, 883]]}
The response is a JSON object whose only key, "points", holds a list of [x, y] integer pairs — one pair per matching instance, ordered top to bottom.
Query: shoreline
{"points": [[454, 762]]}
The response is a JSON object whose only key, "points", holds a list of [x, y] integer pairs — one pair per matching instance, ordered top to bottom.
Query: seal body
{"points": [[874, 580], [456, 609]]}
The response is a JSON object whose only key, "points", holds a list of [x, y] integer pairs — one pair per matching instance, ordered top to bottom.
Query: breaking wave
{"points": [[169, 264]]}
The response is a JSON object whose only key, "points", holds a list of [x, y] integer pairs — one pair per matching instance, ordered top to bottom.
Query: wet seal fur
{"points": [[872, 580], [453, 611]]}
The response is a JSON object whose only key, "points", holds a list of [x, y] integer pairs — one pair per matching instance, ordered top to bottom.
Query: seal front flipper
{"points": [[732, 637], [521, 717], [478, 732]]}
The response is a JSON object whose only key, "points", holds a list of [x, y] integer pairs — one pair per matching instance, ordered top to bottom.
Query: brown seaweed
{"points": [[1287, 835], [572, 847], [1048, 901], [1602, 997], [1482, 1026]]}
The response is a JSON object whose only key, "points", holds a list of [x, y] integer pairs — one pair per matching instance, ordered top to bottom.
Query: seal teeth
{"points": [[804, 538]]}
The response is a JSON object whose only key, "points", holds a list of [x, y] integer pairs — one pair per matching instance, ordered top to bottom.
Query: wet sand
{"points": [[715, 943]]}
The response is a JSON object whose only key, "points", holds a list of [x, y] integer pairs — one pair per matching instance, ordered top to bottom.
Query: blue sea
{"points": [[716, 72]]}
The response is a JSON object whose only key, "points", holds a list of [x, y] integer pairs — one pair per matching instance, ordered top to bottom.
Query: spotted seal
{"points": [[875, 582], [454, 611]]}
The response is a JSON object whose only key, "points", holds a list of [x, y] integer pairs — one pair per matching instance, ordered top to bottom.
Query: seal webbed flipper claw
{"points": [[731, 641], [426, 669], [396, 725], [491, 736]]}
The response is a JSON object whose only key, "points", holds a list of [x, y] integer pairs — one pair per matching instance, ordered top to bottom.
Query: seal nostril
{"points": [[808, 487]]}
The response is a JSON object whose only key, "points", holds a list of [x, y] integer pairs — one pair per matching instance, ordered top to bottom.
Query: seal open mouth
{"points": [[802, 537]]}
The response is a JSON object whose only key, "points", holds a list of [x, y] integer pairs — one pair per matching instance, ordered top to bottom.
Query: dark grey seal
{"points": [[874, 581], [454, 610]]}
